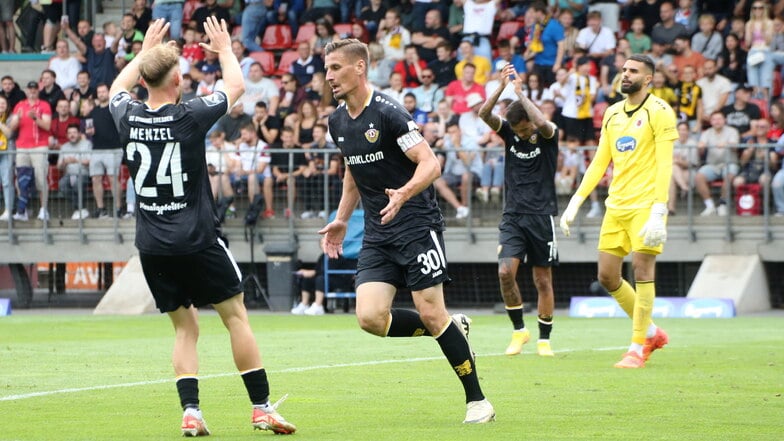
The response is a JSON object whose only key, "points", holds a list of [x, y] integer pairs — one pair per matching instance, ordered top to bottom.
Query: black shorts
{"points": [[580, 130], [528, 237], [415, 260], [206, 277]]}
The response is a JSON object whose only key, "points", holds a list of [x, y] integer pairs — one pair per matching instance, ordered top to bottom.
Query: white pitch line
{"points": [[281, 371]]}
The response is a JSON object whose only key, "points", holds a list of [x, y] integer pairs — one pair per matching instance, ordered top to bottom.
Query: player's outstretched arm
{"points": [[220, 43], [128, 77], [335, 231]]}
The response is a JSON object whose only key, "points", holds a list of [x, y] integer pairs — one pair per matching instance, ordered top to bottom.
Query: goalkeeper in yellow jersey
{"points": [[637, 136]]}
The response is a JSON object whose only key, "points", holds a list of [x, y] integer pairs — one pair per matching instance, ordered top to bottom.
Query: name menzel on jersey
{"points": [[150, 134]]}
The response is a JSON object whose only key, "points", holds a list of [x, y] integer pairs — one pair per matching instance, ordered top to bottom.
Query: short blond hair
{"points": [[157, 63]]}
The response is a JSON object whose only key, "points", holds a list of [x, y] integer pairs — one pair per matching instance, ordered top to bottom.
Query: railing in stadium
{"points": [[291, 202]]}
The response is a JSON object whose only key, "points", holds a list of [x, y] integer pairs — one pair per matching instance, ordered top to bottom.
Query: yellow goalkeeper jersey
{"points": [[639, 142]]}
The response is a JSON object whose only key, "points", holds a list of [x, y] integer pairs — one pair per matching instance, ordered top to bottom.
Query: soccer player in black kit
{"points": [[391, 168], [527, 230], [185, 262]]}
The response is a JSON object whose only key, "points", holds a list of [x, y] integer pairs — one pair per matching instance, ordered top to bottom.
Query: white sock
{"points": [[709, 203], [651, 330], [636, 347]]}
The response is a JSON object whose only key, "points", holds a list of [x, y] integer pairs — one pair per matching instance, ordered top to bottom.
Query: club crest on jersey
{"points": [[638, 123], [371, 134], [532, 139], [625, 144]]}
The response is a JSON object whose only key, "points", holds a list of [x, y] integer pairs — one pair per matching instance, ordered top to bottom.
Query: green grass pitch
{"points": [[84, 377]]}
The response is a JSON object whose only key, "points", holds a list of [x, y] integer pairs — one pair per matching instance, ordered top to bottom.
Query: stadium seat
{"points": [[343, 29], [508, 30], [304, 33], [277, 37], [266, 59], [286, 59], [763, 106], [598, 114], [125, 174], [53, 178], [352, 243]]}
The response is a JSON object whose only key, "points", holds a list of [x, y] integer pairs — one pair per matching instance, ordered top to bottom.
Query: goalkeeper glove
{"points": [[570, 213], [654, 231]]}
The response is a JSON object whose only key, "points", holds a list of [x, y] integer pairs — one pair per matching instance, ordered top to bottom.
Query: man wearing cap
{"points": [[210, 81], [741, 113], [32, 118]]}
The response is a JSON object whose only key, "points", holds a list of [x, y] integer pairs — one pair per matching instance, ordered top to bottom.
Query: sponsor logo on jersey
{"points": [[213, 99], [371, 134], [625, 144], [526, 155], [363, 159]]}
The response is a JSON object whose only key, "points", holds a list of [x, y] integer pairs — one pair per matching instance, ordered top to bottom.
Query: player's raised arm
{"points": [[220, 43], [128, 77], [486, 111], [545, 127]]}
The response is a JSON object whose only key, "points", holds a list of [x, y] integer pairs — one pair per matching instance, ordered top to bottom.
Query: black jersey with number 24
{"points": [[164, 149], [371, 151]]}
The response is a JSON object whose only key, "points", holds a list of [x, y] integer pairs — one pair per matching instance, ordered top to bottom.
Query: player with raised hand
{"points": [[637, 136], [391, 168], [527, 229], [185, 262]]}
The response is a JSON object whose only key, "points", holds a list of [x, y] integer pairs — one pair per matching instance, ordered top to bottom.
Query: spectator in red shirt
{"points": [[410, 67], [458, 90], [32, 118], [59, 127]]}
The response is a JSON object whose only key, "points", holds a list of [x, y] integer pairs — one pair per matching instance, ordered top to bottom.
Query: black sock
{"points": [[516, 315], [406, 323], [545, 326], [455, 346], [257, 386], [188, 389]]}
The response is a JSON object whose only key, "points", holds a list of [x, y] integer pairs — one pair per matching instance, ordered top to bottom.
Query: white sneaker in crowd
{"points": [[495, 194], [482, 195], [722, 210], [596, 211], [708, 211], [462, 212], [43, 215], [308, 215], [5, 216], [22, 217], [299, 309], [315, 309]]}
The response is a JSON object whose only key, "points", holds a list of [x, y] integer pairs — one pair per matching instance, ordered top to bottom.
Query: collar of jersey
{"points": [[158, 109]]}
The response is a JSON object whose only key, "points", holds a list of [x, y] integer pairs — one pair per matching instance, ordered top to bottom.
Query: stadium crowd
{"points": [[718, 65]]}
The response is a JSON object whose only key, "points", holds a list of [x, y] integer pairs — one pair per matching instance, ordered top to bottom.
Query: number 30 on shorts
{"points": [[431, 261]]}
